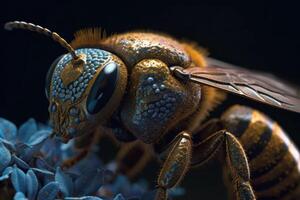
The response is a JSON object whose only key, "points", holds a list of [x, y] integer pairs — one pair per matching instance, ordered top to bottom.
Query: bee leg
{"points": [[83, 145], [132, 158], [236, 160], [238, 164], [175, 165]]}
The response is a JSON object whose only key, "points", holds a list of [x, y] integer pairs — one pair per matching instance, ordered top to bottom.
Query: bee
{"points": [[151, 88]]}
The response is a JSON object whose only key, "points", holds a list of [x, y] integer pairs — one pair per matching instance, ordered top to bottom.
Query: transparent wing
{"points": [[258, 86]]}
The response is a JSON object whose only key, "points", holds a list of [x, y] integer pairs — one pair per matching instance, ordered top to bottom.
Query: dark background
{"points": [[262, 36]]}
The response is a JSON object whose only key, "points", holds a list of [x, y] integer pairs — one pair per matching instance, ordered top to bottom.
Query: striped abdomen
{"points": [[272, 156]]}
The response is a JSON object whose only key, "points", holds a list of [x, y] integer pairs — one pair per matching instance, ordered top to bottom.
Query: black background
{"points": [[262, 36]]}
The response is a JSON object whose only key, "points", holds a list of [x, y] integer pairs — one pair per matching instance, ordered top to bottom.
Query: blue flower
{"points": [[23, 143], [18, 147], [30, 161]]}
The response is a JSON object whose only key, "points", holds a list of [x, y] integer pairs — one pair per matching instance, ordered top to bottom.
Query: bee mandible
{"points": [[152, 88]]}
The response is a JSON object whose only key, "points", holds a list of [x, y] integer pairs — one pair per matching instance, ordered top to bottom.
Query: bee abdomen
{"points": [[272, 156]]}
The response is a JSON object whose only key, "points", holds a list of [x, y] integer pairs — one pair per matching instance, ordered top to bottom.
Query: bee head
{"points": [[83, 87], [82, 96]]}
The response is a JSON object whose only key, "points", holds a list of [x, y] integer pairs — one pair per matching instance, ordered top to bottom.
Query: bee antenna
{"points": [[36, 28]]}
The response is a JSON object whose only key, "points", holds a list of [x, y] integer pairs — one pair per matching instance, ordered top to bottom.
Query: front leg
{"points": [[236, 161], [175, 165]]}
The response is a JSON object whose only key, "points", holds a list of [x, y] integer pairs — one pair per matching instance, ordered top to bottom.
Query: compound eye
{"points": [[49, 76], [103, 88]]}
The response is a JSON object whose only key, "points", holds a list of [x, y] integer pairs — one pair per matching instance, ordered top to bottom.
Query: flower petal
{"points": [[8, 130], [26, 130], [38, 137], [8, 144], [27, 152], [52, 152], [5, 157], [21, 163], [41, 163], [87, 164], [43, 171], [6, 173], [44, 175], [18, 179], [91, 180], [65, 182], [120, 183], [32, 184], [49, 191], [20, 196], [119, 197], [83, 198]]}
